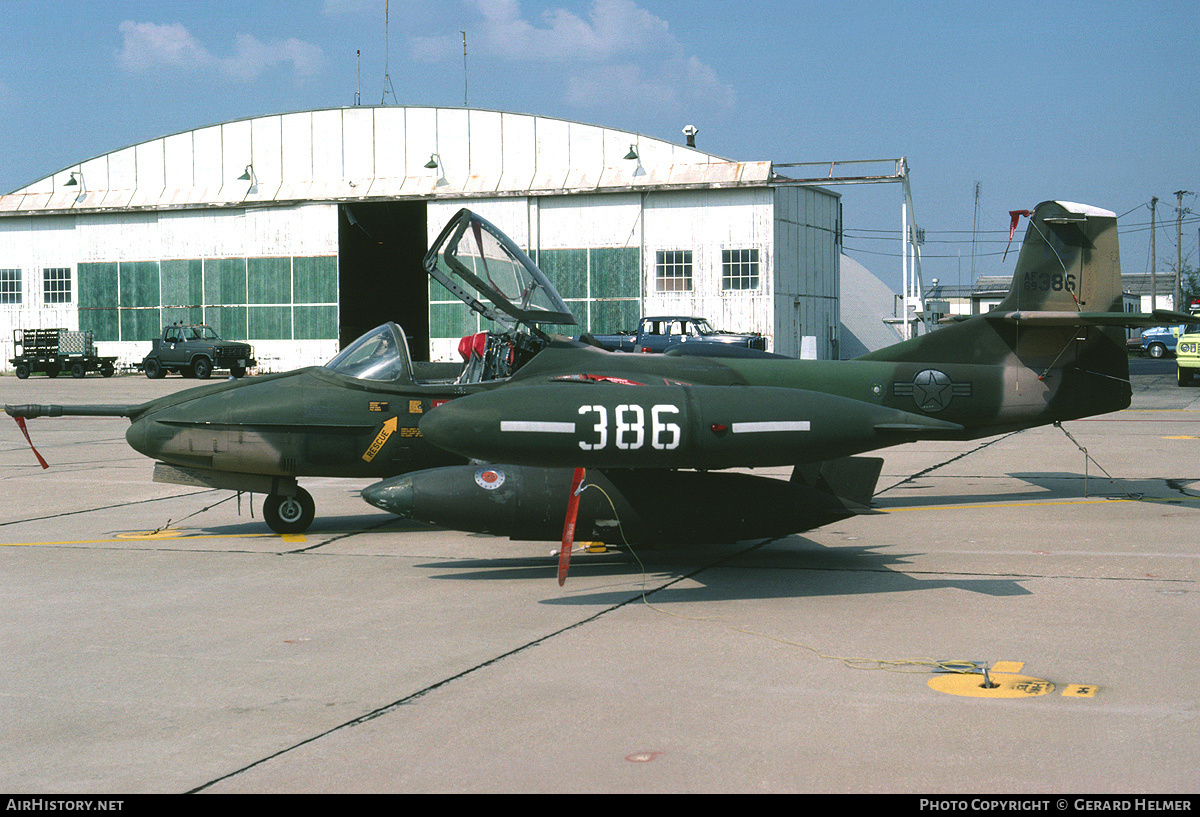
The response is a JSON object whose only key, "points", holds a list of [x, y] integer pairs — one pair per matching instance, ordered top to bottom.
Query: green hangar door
{"points": [[380, 278]]}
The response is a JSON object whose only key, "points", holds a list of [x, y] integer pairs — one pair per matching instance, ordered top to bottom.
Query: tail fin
{"points": [[1069, 262], [1064, 308], [1058, 335]]}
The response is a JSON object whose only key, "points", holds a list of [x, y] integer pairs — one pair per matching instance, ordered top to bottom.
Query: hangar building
{"points": [[299, 231]]}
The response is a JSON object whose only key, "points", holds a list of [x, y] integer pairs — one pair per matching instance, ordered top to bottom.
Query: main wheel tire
{"points": [[201, 368], [154, 369], [78, 370], [289, 514]]}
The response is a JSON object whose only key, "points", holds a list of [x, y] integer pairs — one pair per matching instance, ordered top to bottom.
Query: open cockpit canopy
{"points": [[473, 258]]}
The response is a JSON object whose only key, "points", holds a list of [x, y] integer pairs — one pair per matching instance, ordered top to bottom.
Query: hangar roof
{"points": [[364, 152]]}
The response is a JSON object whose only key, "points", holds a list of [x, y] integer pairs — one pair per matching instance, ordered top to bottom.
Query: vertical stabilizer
{"points": [[1069, 262]]}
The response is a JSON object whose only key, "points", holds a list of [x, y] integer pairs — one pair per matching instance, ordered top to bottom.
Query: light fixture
{"points": [[632, 154], [432, 164], [249, 176], [77, 180]]}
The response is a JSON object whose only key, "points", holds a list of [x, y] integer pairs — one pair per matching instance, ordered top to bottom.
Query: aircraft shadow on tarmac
{"points": [[1054, 485], [1071, 486], [326, 526], [791, 567]]}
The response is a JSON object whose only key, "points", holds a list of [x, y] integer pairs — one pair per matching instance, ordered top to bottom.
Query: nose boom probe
{"points": [[31, 410]]}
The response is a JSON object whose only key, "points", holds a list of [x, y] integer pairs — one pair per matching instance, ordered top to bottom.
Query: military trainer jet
{"points": [[497, 444]]}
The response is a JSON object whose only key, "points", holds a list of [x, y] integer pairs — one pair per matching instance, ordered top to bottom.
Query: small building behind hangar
{"points": [[299, 231]]}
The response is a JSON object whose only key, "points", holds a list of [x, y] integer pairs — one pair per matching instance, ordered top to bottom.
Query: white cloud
{"points": [[613, 28], [149, 45], [152, 45], [616, 53], [669, 85]]}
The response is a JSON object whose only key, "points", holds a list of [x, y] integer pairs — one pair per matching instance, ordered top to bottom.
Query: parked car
{"points": [[660, 333], [1160, 341]]}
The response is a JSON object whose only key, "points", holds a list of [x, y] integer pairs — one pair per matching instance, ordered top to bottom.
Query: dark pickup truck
{"points": [[658, 334], [194, 351]]}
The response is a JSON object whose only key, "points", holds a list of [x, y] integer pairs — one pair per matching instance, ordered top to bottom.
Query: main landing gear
{"points": [[289, 514]]}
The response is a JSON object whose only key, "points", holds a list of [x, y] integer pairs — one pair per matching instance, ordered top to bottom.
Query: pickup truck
{"points": [[660, 333], [194, 350], [1187, 356]]}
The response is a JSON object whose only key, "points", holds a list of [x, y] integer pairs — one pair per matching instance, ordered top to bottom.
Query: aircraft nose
{"points": [[394, 495]]}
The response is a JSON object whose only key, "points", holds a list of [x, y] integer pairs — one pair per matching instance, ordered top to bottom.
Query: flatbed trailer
{"points": [[58, 350]]}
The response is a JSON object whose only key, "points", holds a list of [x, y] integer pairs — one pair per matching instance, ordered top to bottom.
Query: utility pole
{"points": [[1179, 194], [974, 229], [1153, 254]]}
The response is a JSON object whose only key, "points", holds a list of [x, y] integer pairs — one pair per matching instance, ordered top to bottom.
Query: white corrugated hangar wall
{"points": [[298, 231]]}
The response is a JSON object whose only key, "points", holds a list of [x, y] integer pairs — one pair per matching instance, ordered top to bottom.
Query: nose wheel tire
{"points": [[289, 514]]}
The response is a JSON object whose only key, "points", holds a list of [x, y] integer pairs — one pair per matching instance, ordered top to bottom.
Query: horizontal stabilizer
{"points": [[1158, 317]]}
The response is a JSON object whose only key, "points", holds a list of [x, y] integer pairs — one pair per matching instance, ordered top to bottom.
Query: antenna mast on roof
{"points": [[387, 78], [358, 90]]}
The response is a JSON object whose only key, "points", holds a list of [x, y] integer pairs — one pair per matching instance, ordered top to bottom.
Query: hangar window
{"points": [[739, 269], [673, 270], [56, 285], [10, 286]]}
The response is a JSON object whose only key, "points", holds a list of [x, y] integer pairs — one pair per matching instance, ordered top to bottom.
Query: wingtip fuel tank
{"points": [[603, 425], [615, 506]]}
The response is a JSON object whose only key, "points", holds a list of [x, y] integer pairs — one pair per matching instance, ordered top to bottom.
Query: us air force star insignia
{"points": [[932, 390]]}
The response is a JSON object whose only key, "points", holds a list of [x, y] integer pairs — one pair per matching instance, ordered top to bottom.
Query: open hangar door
{"points": [[380, 278]]}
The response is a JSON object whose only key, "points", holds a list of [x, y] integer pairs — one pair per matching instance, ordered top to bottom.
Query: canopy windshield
{"points": [[473, 258], [381, 354]]}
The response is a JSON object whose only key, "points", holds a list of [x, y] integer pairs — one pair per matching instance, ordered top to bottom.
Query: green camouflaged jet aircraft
{"points": [[495, 444]]}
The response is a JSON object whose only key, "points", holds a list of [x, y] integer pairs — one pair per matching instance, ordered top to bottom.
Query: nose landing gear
{"points": [[289, 514]]}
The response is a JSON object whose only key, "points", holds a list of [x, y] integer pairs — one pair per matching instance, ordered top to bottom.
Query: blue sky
{"points": [[1095, 102]]}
